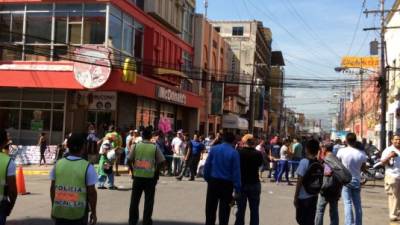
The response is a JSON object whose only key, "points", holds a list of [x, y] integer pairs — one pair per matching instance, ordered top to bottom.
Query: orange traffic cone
{"points": [[21, 182]]}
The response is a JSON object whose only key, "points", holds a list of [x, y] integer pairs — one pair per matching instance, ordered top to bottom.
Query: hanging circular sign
{"points": [[92, 67]]}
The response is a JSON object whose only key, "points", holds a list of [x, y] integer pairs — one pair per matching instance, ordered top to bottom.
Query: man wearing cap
{"points": [[145, 160], [250, 162], [222, 173], [8, 187], [72, 192]]}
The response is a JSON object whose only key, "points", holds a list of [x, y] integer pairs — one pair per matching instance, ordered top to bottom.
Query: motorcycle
{"points": [[375, 170]]}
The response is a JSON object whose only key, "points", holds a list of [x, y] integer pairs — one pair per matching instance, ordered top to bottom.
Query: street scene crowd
{"points": [[233, 167]]}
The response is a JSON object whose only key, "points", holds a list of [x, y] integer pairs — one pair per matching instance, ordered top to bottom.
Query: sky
{"points": [[313, 35]]}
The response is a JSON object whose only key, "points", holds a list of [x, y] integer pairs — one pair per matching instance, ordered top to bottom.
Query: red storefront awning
{"points": [[39, 79]]}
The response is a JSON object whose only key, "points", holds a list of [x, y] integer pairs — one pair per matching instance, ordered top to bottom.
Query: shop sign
{"points": [[360, 62], [36, 67], [92, 67], [231, 90], [170, 95], [99, 100]]}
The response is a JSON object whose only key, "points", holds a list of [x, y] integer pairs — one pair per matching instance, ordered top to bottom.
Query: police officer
{"points": [[146, 160], [8, 187], [73, 193]]}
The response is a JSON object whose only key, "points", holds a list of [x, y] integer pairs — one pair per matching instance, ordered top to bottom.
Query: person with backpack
{"points": [[354, 160], [335, 176], [309, 183]]}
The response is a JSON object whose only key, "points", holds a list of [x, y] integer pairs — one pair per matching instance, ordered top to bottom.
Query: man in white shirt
{"points": [[177, 148], [391, 159], [354, 160]]}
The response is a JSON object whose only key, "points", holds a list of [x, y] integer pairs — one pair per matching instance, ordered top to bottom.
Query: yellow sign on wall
{"points": [[360, 62], [129, 71]]}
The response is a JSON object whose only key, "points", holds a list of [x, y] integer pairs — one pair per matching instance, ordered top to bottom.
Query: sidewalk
{"points": [[45, 170]]}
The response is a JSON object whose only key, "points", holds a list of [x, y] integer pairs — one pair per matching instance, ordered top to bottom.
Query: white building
{"points": [[392, 37], [251, 43]]}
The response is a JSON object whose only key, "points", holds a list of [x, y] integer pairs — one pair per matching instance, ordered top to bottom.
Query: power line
{"points": [[356, 29], [312, 32]]}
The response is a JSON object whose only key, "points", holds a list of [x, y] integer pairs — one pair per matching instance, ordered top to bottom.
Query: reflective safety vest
{"points": [[145, 157], [4, 162], [70, 199]]}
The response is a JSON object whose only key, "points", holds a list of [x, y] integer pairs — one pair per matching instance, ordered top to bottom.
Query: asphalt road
{"points": [[182, 203]]}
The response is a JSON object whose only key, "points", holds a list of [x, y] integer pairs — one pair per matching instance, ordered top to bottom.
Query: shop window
{"points": [[12, 7], [39, 7], [69, 7], [95, 7], [5, 22], [17, 26], [38, 27], [60, 27], [94, 28], [75, 31], [115, 32], [128, 39], [138, 43], [12, 52], [37, 53], [60, 53], [10, 94], [36, 95], [59, 96], [9, 104], [38, 105], [59, 106], [9, 118], [58, 119], [35, 120]]}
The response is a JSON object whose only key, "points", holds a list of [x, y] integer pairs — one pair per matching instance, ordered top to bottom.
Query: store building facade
{"points": [[65, 65]]}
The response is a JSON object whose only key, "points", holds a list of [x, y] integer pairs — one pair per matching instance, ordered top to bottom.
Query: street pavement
{"points": [[182, 203]]}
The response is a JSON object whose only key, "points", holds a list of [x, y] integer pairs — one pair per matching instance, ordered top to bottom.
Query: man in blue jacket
{"points": [[222, 173]]}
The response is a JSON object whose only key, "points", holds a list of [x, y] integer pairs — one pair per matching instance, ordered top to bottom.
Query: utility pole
{"points": [[383, 80], [383, 89], [251, 102], [361, 104]]}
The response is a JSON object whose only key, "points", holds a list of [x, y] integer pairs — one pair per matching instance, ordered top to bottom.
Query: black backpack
{"points": [[341, 173], [313, 178]]}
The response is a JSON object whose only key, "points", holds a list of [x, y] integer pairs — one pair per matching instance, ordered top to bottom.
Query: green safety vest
{"points": [[145, 157], [4, 162], [70, 199]]}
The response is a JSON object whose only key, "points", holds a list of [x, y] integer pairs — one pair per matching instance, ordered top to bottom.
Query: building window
{"points": [[188, 20], [74, 24], [94, 26], [218, 29], [237, 31], [25, 113]]}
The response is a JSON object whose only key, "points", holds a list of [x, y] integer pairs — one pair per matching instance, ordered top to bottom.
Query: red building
{"points": [[65, 64], [361, 112]]}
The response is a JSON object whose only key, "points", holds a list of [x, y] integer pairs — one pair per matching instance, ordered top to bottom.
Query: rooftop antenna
{"points": [[205, 8]]}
